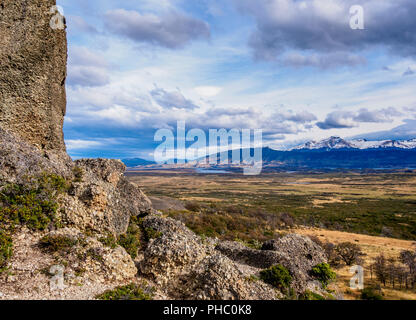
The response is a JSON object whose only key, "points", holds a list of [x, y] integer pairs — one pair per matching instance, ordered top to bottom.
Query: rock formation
{"points": [[32, 73], [96, 205]]}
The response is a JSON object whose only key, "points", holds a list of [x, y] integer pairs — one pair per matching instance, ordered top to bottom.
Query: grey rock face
{"points": [[32, 73]]}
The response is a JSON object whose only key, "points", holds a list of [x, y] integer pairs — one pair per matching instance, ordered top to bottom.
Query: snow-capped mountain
{"points": [[339, 143]]}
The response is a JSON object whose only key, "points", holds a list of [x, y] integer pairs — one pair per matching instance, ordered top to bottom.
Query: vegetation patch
{"points": [[78, 174], [33, 204], [151, 233], [131, 240], [109, 241], [58, 243], [6, 248], [323, 273], [277, 276], [128, 292], [371, 293], [310, 295]]}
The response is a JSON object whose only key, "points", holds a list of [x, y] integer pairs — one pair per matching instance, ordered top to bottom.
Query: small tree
{"points": [[349, 252], [380, 269], [323, 273]]}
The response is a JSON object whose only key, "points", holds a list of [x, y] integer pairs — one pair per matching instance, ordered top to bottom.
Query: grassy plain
{"points": [[373, 203]]}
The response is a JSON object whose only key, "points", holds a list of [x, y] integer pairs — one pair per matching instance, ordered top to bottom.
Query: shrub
{"points": [[78, 174], [33, 203], [193, 206], [131, 240], [109, 241], [57, 243], [6, 248], [348, 252], [323, 273], [277, 276], [128, 292], [371, 294], [309, 295]]}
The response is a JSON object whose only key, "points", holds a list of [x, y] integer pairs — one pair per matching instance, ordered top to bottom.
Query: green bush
{"points": [[78, 174], [34, 203], [131, 240], [109, 241], [57, 243], [6, 248], [323, 273], [277, 276], [129, 292], [371, 294], [309, 295]]}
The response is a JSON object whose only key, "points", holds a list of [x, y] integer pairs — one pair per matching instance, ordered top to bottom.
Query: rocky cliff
{"points": [[32, 73], [72, 229]]}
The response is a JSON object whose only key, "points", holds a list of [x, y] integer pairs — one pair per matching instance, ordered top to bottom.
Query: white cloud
{"points": [[208, 91]]}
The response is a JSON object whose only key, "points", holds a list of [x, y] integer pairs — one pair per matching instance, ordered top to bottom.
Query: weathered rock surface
{"points": [[32, 73], [102, 199], [297, 253], [99, 263], [189, 268]]}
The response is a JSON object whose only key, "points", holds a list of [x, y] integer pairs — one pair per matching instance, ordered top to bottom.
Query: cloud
{"points": [[78, 25], [322, 28], [173, 30], [323, 61], [87, 68], [408, 72], [208, 91], [172, 100], [230, 112], [377, 116], [298, 117], [349, 119], [338, 120], [405, 131], [81, 144]]}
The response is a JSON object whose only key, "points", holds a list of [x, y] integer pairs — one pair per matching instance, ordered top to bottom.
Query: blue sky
{"points": [[292, 68]]}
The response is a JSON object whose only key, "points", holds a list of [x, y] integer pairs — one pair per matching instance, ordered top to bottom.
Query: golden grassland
{"points": [[372, 247]]}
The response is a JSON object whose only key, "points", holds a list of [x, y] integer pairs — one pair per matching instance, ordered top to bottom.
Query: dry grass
{"points": [[372, 247]]}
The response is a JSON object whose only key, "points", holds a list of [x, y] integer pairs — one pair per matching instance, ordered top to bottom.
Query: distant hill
{"points": [[131, 163]]}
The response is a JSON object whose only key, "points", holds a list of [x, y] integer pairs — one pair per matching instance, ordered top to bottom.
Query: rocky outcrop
{"points": [[32, 73], [101, 198], [297, 253], [188, 267]]}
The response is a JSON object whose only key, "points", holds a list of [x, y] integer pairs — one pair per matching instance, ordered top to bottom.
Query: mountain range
{"points": [[362, 144], [332, 153]]}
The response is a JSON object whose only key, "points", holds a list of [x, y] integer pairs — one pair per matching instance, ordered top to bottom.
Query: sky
{"points": [[293, 68]]}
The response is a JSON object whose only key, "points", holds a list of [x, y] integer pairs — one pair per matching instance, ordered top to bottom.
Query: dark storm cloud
{"points": [[322, 27], [173, 30]]}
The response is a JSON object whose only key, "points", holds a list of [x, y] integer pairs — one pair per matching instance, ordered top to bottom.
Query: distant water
{"points": [[212, 171]]}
